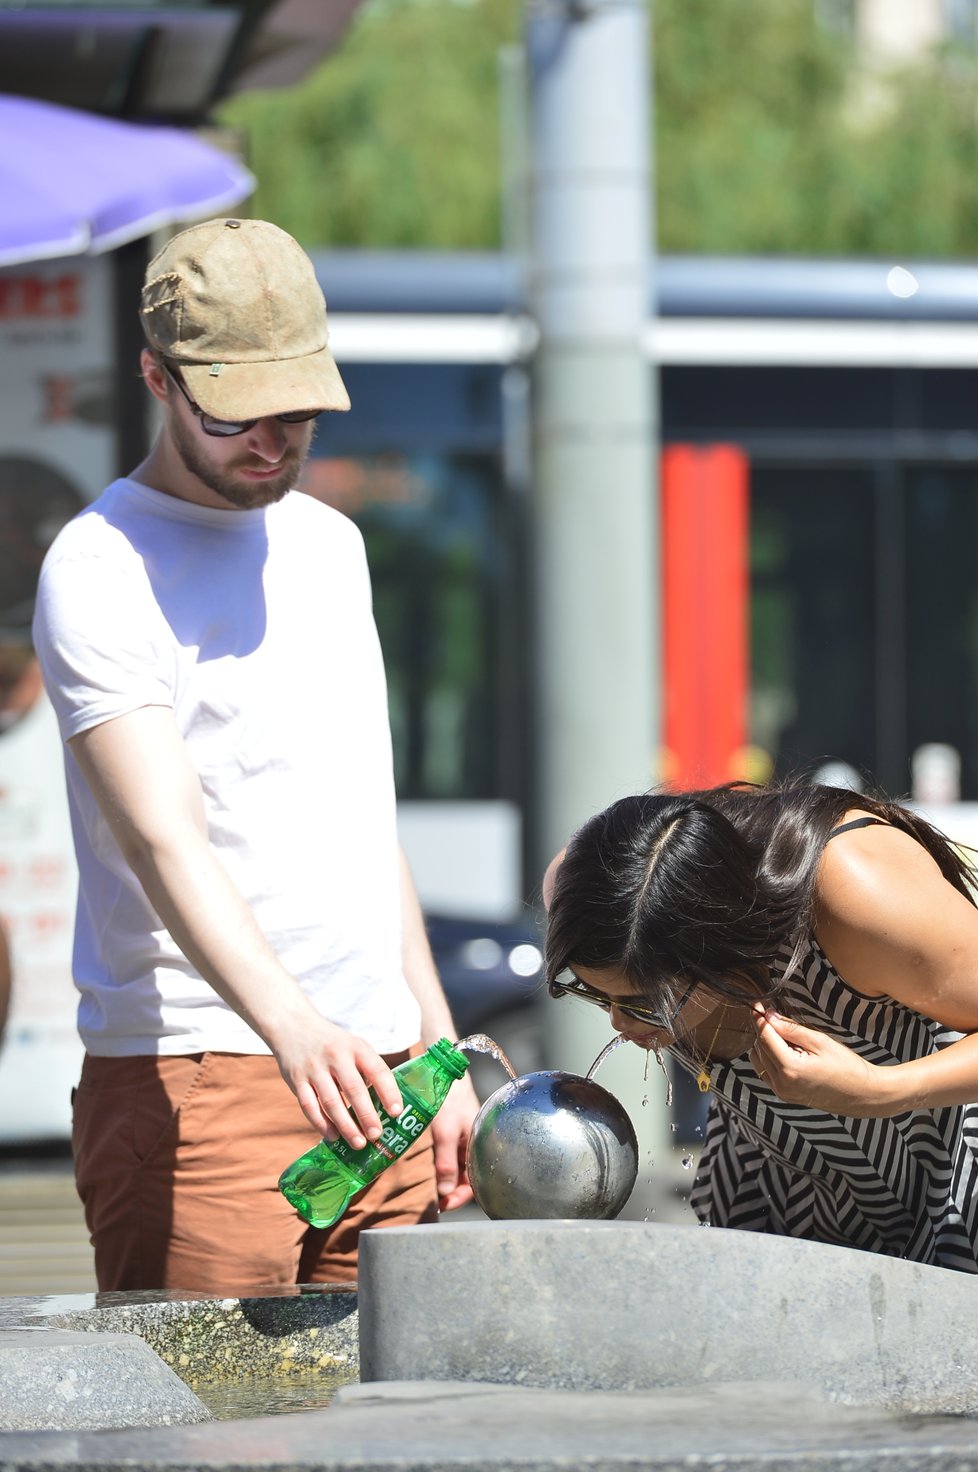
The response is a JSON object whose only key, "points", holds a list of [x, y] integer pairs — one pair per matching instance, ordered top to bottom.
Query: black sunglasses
{"points": [[224, 428], [578, 988]]}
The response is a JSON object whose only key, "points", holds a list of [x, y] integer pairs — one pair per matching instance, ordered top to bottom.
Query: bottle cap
{"points": [[449, 1057]]}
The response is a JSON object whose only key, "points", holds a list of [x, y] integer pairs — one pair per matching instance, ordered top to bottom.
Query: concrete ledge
{"points": [[632, 1306], [52, 1379], [426, 1427]]}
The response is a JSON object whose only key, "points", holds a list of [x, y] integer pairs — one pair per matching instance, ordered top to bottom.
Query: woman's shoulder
{"points": [[864, 855], [877, 895], [893, 925]]}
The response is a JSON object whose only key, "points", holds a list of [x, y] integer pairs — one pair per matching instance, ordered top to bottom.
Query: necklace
{"points": [[703, 1079]]}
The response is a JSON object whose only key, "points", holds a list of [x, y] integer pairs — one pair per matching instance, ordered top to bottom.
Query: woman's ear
{"points": [[550, 877]]}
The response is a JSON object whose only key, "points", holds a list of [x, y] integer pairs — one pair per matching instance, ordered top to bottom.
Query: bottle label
{"points": [[396, 1136]]}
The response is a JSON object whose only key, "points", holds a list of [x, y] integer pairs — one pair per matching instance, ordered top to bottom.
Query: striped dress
{"points": [[904, 1186]]}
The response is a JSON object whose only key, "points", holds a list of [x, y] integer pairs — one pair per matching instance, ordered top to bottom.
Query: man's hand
{"points": [[807, 1067], [330, 1071], [450, 1131]]}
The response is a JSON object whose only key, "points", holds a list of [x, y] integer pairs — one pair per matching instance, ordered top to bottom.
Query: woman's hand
{"points": [[803, 1066]]}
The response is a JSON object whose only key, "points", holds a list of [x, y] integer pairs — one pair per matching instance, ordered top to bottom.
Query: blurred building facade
{"points": [[894, 33]]}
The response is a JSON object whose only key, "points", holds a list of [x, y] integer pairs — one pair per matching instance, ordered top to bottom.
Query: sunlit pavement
{"points": [[44, 1245]]}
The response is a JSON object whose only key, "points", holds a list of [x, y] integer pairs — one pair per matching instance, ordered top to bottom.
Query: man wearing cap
{"points": [[245, 915]]}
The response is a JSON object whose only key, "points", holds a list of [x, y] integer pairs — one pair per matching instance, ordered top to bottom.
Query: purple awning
{"points": [[73, 183]]}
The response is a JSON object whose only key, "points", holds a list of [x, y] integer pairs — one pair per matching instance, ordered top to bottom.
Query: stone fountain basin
{"points": [[634, 1306], [115, 1359]]}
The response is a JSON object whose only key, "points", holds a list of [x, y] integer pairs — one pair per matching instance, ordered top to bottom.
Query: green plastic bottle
{"points": [[321, 1183]]}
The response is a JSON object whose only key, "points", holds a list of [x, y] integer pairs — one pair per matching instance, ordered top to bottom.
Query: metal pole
{"points": [[595, 495]]}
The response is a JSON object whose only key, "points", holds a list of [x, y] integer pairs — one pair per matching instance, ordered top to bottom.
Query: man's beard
{"points": [[225, 480]]}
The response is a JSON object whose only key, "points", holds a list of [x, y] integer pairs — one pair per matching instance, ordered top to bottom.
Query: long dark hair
{"points": [[708, 886]]}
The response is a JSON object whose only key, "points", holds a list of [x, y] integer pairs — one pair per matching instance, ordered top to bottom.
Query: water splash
{"points": [[478, 1042], [616, 1042], [661, 1062]]}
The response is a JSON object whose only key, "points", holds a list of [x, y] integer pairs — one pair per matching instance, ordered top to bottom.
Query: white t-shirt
{"points": [[256, 628]]}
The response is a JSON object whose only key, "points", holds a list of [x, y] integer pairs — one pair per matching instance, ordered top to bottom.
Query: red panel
{"points": [[705, 612]]}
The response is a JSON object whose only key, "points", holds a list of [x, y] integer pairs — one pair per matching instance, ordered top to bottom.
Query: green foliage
{"points": [[748, 93], [768, 137], [771, 139], [394, 140], [914, 185]]}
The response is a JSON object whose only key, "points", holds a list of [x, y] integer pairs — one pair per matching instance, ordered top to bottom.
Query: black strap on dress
{"points": [[857, 823]]}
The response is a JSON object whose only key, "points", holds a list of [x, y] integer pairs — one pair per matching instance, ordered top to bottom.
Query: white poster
{"points": [[57, 445]]}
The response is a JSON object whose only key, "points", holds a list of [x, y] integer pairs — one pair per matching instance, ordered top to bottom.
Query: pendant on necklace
{"points": [[703, 1079]]}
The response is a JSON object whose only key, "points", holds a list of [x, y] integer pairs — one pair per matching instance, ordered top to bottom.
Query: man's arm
{"points": [[149, 794], [452, 1124]]}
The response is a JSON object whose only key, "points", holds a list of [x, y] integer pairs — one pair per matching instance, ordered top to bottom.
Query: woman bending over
{"points": [[811, 957]]}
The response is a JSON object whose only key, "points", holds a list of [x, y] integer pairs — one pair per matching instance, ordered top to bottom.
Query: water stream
{"points": [[477, 1042], [616, 1042]]}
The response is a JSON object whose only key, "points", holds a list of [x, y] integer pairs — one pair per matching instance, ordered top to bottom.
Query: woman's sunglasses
{"points": [[224, 428], [577, 988]]}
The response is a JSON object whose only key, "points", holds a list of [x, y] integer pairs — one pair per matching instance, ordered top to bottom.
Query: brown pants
{"points": [[177, 1162]]}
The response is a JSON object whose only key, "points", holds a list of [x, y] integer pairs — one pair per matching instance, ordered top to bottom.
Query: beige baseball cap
{"points": [[237, 305]]}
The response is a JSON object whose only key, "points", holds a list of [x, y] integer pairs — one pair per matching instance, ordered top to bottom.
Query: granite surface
{"points": [[601, 1306], [262, 1333], [80, 1360], [53, 1379], [417, 1421], [429, 1427]]}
